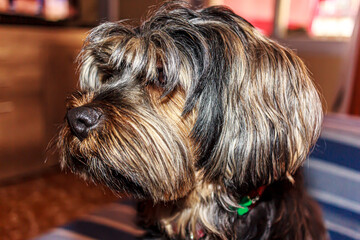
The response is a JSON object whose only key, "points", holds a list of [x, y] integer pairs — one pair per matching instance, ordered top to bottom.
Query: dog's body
{"points": [[192, 112]]}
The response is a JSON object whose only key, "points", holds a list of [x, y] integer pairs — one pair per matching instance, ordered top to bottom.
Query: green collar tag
{"points": [[247, 201], [244, 203]]}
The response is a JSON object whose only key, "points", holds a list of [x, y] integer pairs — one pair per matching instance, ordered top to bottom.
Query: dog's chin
{"points": [[100, 173], [120, 185]]}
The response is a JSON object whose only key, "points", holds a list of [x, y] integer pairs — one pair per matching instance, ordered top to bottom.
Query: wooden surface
{"points": [[37, 71], [34, 206]]}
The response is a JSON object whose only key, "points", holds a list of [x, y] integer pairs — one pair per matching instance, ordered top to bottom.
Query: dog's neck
{"points": [[205, 210]]}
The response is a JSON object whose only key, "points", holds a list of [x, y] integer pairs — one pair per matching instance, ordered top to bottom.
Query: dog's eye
{"points": [[110, 75], [161, 78]]}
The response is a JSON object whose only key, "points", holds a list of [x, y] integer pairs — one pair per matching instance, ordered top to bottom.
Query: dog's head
{"points": [[188, 97]]}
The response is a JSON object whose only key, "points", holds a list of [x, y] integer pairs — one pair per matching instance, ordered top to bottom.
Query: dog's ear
{"points": [[258, 111]]}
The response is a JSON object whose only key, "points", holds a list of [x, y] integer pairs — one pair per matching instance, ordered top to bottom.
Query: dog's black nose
{"points": [[82, 119]]}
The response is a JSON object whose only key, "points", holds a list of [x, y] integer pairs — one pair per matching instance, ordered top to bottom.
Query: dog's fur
{"points": [[197, 110]]}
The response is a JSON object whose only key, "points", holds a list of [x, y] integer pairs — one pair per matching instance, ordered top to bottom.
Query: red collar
{"points": [[257, 192]]}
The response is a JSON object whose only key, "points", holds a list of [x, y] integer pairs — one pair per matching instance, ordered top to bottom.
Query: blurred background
{"points": [[39, 41]]}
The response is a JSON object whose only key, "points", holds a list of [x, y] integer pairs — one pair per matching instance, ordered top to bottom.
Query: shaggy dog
{"points": [[203, 119]]}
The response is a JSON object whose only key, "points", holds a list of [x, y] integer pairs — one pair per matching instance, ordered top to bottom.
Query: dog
{"points": [[203, 119]]}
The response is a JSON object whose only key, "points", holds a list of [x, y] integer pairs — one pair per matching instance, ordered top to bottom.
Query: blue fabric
{"points": [[338, 153], [333, 176], [341, 212], [97, 231], [338, 236]]}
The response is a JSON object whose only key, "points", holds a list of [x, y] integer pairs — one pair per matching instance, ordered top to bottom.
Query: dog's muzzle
{"points": [[82, 120]]}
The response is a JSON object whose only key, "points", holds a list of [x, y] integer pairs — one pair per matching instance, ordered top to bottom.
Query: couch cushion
{"points": [[333, 175]]}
